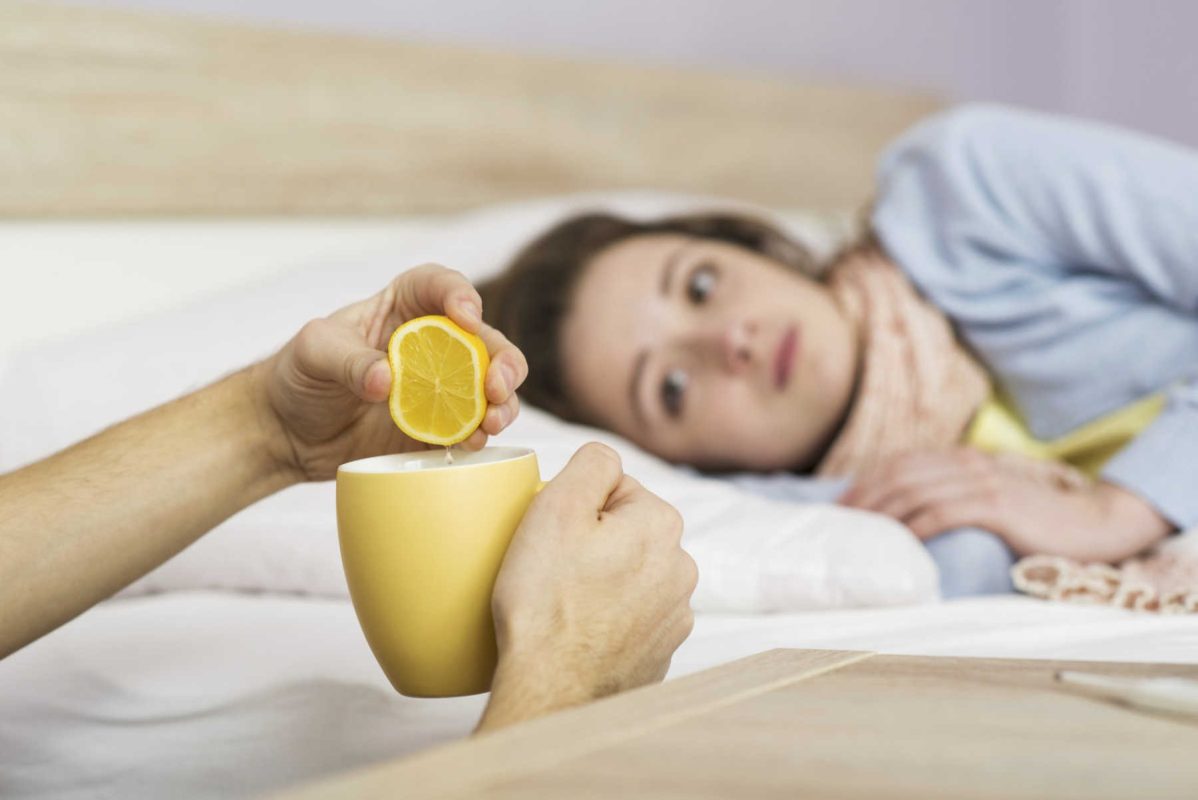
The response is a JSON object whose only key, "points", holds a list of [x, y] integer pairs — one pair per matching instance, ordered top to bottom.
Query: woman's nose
{"points": [[734, 346]]}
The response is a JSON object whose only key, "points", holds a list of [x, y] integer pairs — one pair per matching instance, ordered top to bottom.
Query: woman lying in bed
{"points": [[1006, 362]]}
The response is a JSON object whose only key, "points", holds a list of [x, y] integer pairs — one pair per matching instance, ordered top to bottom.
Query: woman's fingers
{"points": [[899, 474], [901, 481], [932, 492], [905, 503], [970, 510]]}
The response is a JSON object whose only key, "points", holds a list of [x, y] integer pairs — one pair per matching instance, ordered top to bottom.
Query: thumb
{"points": [[329, 351], [365, 372], [376, 376]]}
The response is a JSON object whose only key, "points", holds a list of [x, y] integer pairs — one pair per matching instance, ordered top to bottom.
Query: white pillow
{"points": [[753, 553]]}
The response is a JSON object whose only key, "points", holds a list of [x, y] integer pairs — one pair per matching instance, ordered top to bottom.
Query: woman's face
{"points": [[707, 353]]}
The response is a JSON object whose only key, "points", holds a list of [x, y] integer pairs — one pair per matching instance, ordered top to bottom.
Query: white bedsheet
{"points": [[195, 694]]}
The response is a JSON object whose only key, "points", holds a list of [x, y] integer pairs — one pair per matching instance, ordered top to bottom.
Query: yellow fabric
{"points": [[997, 428]]}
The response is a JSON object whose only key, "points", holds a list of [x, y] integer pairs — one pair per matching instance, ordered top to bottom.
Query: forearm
{"points": [[80, 525], [1127, 525]]}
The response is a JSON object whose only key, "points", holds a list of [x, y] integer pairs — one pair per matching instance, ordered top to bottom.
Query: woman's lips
{"points": [[785, 357]]}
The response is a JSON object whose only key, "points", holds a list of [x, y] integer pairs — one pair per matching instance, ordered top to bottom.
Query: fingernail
{"points": [[472, 311]]}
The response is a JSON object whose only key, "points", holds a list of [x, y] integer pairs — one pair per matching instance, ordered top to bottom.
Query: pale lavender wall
{"points": [[1128, 61], [1134, 63]]}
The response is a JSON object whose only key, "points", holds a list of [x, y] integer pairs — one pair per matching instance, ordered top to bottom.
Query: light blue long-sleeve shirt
{"points": [[1066, 255]]}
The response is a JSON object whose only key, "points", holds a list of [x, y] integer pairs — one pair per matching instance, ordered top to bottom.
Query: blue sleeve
{"points": [[1038, 194], [1066, 253], [1161, 464]]}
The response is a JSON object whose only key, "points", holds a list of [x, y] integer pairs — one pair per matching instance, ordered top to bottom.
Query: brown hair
{"points": [[531, 299]]}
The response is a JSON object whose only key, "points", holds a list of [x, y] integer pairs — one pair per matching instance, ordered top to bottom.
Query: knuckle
{"points": [[427, 268], [417, 275], [454, 282], [313, 327], [311, 333], [600, 451], [631, 483], [672, 519], [665, 524], [690, 573], [686, 625]]}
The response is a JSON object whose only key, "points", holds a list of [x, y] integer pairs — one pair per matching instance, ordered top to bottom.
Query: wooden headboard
{"points": [[117, 113]]}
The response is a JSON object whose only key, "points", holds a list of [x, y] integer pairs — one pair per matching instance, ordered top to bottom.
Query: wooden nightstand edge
{"points": [[470, 764]]}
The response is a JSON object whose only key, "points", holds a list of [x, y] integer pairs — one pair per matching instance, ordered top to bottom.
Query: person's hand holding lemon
{"points": [[326, 389]]}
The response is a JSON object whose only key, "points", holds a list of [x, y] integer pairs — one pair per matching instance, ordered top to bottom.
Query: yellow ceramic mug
{"points": [[421, 543]]}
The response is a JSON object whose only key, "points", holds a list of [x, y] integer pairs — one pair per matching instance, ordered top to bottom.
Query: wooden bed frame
{"points": [[115, 113]]}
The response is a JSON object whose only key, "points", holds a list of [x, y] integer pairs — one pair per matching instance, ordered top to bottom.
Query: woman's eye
{"points": [[700, 283], [672, 390]]}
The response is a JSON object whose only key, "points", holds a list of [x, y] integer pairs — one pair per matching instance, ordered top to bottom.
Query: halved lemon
{"points": [[437, 372]]}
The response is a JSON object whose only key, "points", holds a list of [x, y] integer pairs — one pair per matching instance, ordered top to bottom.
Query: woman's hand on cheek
{"points": [[933, 492]]}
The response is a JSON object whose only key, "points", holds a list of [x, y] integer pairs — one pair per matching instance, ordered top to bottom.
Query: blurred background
{"points": [[1126, 61], [1130, 62]]}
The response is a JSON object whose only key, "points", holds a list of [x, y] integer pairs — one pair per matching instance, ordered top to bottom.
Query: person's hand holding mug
{"points": [[324, 391], [594, 593]]}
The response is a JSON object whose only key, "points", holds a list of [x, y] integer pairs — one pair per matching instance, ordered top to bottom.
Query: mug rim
{"points": [[507, 454]]}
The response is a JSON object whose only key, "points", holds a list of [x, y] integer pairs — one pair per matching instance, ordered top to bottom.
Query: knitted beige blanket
{"points": [[1164, 580]]}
